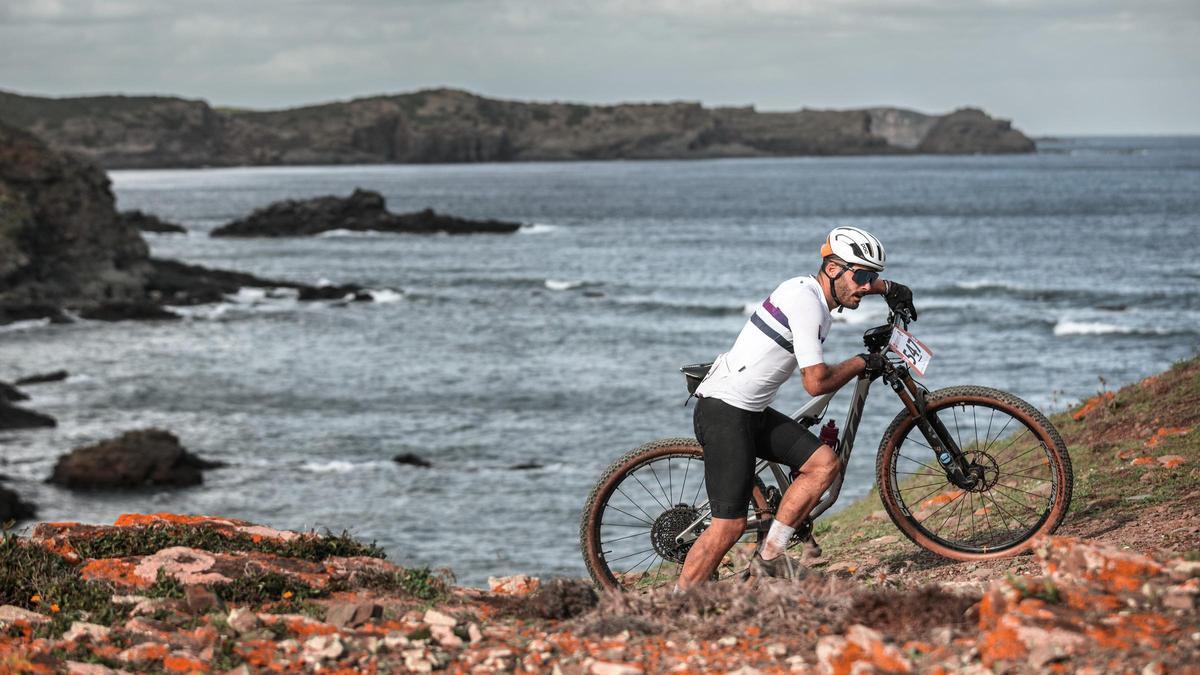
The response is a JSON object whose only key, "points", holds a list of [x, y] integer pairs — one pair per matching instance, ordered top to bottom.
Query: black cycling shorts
{"points": [[733, 438]]}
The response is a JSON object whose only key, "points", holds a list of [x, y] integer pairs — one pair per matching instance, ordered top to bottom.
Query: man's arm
{"points": [[822, 378]]}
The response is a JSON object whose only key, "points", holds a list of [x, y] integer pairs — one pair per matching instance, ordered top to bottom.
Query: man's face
{"points": [[849, 293]]}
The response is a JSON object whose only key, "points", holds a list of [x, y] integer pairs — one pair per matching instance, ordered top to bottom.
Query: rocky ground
{"points": [[1117, 591]]}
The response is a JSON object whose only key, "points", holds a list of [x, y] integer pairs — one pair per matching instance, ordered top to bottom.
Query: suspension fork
{"points": [[949, 456]]}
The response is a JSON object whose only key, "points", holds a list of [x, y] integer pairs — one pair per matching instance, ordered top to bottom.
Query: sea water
{"points": [[1052, 276]]}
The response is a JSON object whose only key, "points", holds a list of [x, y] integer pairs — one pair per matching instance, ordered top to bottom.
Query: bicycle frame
{"points": [[910, 394]]}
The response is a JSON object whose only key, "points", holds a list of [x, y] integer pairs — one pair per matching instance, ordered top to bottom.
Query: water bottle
{"points": [[829, 435]]}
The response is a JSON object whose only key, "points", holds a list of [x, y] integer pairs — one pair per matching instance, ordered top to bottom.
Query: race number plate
{"points": [[912, 350]]}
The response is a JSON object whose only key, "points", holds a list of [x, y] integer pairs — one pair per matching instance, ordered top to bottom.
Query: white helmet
{"points": [[856, 247]]}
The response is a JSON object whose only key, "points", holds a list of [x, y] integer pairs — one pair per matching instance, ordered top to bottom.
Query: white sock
{"points": [[777, 540]]}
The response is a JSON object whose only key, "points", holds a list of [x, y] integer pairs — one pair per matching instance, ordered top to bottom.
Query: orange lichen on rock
{"points": [[1093, 403], [1164, 432], [1144, 460], [1172, 461], [117, 571], [518, 584], [860, 650], [181, 662]]}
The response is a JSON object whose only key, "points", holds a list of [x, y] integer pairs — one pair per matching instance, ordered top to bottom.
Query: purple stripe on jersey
{"points": [[775, 312], [770, 332]]}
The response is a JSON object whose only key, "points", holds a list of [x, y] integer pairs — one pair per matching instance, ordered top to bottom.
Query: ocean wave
{"points": [[537, 228], [342, 233], [568, 285], [385, 296], [1106, 299], [652, 306], [29, 324], [1068, 327], [344, 466]]}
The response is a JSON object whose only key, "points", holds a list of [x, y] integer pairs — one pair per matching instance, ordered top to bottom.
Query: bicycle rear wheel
{"points": [[1024, 485], [638, 507]]}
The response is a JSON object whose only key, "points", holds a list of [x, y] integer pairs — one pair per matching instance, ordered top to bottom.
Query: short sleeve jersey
{"points": [[783, 334]]}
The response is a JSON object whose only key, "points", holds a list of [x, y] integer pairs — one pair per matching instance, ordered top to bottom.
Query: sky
{"points": [[1054, 67]]}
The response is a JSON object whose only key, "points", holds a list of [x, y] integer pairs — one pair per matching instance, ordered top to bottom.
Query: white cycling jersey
{"points": [[783, 334]]}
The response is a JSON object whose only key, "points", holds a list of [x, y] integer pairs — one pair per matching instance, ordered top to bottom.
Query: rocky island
{"points": [[448, 125], [362, 211]]}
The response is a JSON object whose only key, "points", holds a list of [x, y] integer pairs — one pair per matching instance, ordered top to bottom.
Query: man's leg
{"points": [[816, 475], [709, 549]]}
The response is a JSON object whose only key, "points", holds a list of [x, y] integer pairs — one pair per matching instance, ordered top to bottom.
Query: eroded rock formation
{"points": [[447, 125]]}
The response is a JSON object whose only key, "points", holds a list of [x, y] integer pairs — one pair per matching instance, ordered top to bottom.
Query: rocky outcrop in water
{"points": [[446, 125], [965, 131], [362, 211], [148, 222], [16, 417], [148, 457], [12, 507]]}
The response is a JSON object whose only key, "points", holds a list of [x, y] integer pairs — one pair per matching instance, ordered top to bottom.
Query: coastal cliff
{"points": [[447, 125], [64, 247]]}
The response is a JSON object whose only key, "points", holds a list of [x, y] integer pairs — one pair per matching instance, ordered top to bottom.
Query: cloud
{"points": [[779, 54]]}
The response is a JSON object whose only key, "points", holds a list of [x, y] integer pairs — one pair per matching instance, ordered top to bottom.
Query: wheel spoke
{"points": [[1007, 506]]}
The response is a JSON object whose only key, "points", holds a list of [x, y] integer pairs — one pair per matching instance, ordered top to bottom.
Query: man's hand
{"points": [[899, 298], [874, 364]]}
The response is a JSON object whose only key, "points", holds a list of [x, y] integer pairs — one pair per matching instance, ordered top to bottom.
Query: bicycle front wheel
{"points": [[1023, 476], [629, 532]]}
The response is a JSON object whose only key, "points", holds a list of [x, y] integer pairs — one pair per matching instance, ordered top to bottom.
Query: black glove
{"points": [[899, 299], [874, 363]]}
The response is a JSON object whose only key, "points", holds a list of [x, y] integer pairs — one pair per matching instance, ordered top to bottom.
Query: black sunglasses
{"points": [[861, 276]]}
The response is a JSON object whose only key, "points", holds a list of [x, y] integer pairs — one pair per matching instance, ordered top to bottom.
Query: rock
{"points": [[971, 131], [363, 210], [147, 222], [61, 243], [128, 311], [11, 312], [41, 378], [11, 394], [15, 417], [137, 458], [412, 460], [1172, 461], [526, 466], [13, 508], [885, 540], [517, 584], [562, 599], [200, 600], [10, 614], [352, 614], [436, 618], [243, 620], [80, 630], [445, 637], [323, 647], [860, 650], [606, 668]]}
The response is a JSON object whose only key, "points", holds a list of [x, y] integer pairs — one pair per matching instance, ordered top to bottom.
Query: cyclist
{"points": [[735, 425]]}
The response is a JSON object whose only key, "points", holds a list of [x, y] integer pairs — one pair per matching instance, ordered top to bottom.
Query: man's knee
{"points": [[728, 524]]}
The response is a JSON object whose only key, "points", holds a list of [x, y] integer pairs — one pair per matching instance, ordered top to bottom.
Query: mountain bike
{"points": [[967, 472]]}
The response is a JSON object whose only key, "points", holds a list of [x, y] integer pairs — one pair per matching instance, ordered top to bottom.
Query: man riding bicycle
{"points": [[735, 425]]}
